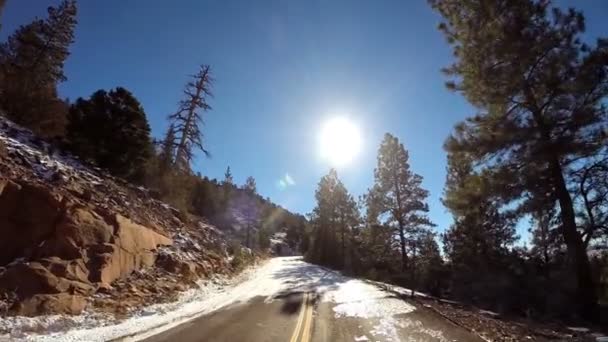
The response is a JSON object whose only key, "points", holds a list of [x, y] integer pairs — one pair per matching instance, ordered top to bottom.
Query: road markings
{"points": [[305, 316], [307, 322], [296, 332]]}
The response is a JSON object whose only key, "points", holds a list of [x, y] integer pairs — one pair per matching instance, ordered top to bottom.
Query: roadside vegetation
{"points": [[109, 129], [534, 153]]}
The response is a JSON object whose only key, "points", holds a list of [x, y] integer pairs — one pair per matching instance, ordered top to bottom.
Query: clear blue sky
{"points": [[281, 69]]}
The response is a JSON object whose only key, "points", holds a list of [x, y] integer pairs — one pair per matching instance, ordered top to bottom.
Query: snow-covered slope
{"points": [[198, 249]]}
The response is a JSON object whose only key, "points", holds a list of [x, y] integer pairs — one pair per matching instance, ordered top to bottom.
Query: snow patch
{"points": [[352, 298], [355, 298]]}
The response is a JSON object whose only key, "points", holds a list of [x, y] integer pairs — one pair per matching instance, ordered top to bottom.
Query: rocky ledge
{"points": [[75, 238]]}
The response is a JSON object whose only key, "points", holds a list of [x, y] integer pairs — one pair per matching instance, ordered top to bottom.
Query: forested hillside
{"points": [[109, 129], [533, 154]]}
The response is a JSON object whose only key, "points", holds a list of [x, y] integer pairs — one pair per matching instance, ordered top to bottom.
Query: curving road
{"points": [[292, 301]]}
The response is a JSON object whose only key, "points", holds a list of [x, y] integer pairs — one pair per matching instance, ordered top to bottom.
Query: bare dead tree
{"points": [[188, 118]]}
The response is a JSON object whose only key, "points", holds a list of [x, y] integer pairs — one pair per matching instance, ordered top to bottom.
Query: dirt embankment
{"points": [[74, 238]]}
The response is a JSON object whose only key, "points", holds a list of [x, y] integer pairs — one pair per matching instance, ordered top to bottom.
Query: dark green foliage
{"points": [[31, 67], [539, 94], [187, 120], [110, 130], [166, 154], [228, 176], [398, 195], [333, 220], [481, 236], [263, 239], [241, 257], [431, 272]]}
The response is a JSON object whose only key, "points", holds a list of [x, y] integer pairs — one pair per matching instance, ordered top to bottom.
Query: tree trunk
{"points": [[181, 154], [402, 241], [343, 248], [577, 253], [414, 287]]}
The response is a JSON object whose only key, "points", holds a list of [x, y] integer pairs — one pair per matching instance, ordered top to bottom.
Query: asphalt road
{"points": [[300, 315]]}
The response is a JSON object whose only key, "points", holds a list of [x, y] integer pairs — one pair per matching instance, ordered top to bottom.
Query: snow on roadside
{"points": [[209, 296], [352, 298]]}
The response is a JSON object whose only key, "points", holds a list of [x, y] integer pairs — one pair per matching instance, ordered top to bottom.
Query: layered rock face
{"points": [[75, 238], [71, 250]]}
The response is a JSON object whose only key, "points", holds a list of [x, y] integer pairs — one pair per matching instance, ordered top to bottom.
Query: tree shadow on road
{"points": [[301, 278]]}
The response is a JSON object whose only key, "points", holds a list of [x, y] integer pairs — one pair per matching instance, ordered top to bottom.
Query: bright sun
{"points": [[340, 141]]}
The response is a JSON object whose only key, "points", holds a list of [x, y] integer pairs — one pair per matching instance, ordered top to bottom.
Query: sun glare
{"points": [[340, 141]]}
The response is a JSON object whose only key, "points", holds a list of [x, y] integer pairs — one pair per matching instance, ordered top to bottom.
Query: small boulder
{"points": [[28, 279], [40, 304]]}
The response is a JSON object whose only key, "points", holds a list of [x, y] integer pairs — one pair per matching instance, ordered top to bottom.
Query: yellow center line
{"points": [[307, 322], [296, 332]]}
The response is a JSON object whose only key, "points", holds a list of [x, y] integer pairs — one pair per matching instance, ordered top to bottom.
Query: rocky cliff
{"points": [[75, 238]]}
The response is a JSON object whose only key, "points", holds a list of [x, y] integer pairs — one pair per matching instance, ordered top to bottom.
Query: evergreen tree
{"points": [[31, 67], [539, 94], [187, 120], [111, 130], [166, 155], [228, 176], [250, 185], [399, 195], [246, 210], [335, 212], [347, 220], [546, 241], [477, 243], [377, 248], [430, 264]]}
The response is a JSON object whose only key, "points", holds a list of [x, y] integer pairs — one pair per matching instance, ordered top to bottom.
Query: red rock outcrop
{"points": [[70, 231], [71, 250]]}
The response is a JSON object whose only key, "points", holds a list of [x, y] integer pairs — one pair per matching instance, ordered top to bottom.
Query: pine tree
{"points": [[31, 67], [539, 93], [187, 120], [111, 130], [166, 155], [228, 176], [250, 185], [399, 194], [247, 210], [335, 212], [322, 218], [347, 220], [545, 237], [479, 240], [377, 242], [430, 264]]}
